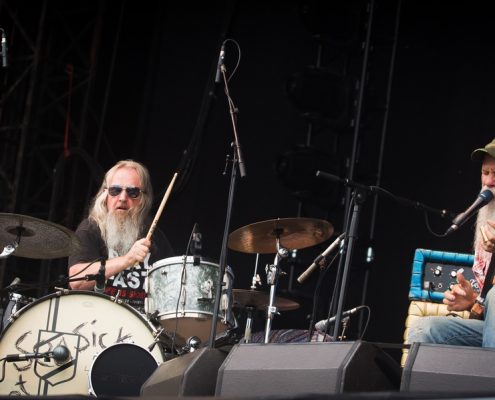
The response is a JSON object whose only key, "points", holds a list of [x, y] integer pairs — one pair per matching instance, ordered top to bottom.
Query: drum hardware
{"points": [[267, 237], [35, 238], [8, 250], [272, 273], [256, 280], [206, 300], [253, 300], [249, 323], [193, 343]]}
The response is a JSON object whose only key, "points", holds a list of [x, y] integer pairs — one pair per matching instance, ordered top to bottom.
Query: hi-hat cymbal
{"points": [[294, 233], [36, 238], [260, 300]]}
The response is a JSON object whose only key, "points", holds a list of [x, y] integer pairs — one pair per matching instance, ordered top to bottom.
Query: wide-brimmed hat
{"points": [[489, 149]]}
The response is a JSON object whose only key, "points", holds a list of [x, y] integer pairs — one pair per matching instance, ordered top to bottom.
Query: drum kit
{"points": [[80, 342]]}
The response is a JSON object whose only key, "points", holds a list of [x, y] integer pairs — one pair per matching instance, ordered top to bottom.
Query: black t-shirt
{"points": [[131, 281]]}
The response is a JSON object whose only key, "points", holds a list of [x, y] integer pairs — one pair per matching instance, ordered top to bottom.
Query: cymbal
{"points": [[294, 233], [38, 238], [260, 300]]}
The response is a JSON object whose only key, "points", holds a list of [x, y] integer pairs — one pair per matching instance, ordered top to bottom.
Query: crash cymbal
{"points": [[294, 233], [36, 238], [260, 300]]}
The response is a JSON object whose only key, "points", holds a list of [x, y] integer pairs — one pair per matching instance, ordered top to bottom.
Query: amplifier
{"points": [[434, 272]]}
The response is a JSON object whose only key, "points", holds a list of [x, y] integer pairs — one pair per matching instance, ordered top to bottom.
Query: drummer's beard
{"points": [[485, 213], [122, 230]]}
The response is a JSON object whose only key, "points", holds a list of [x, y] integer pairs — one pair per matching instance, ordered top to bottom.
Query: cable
{"points": [[238, 57], [427, 223], [86, 267], [182, 282], [316, 296], [367, 321]]}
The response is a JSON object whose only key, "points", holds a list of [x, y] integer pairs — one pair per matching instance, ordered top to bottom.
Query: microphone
{"points": [[4, 49], [220, 63], [482, 200], [196, 245], [321, 259], [100, 278], [14, 283], [324, 323], [60, 355]]}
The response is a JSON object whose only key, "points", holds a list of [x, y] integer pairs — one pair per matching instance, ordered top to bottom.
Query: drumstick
{"points": [[160, 209]]}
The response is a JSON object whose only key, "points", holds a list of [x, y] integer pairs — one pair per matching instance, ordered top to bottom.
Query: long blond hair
{"points": [[99, 210]]}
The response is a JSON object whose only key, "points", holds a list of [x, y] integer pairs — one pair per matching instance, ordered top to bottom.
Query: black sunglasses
{"points": [[132, 192]]}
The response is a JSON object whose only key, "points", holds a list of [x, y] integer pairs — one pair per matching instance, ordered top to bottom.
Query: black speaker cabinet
{"points": [[442, 368], [291, 369], [193, 374]]}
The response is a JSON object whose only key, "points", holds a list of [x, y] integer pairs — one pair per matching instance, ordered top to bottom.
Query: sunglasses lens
{"points": [[114, 190], [133, 193]]}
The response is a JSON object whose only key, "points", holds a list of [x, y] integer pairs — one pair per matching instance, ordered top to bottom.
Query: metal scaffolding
{"points": [[47, 108]]}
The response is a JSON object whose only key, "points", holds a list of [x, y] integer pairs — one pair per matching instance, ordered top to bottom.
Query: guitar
{"points": [[478, 309]]}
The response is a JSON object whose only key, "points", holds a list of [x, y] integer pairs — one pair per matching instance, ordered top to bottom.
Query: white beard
{"points": [[485, 213], [121, 232]]}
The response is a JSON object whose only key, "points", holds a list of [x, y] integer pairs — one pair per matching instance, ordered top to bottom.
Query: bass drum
{"points": [[182, 296], [86, 323]]}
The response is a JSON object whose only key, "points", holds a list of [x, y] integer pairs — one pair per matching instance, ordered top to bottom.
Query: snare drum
{"points": [[182, 295], [86, 323]]}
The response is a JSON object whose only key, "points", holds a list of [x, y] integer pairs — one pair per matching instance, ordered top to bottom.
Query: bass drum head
{"points": [[86, 323], [121, 370]]}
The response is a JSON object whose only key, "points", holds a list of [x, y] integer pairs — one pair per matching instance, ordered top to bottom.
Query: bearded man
{"points": [[114, 232], [468, 332]]}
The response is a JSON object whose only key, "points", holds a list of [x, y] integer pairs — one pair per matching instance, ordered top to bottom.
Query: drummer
{"points": [[115, 231]]}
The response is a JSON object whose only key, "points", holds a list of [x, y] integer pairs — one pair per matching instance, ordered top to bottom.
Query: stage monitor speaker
{"points": [[442, 368], [292, 369], [193, 374]]}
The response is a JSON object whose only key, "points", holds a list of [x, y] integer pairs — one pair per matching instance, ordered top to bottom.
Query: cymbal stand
{"points": [[11, 248], [8, 250], [272, 274], [256, 278], [249, 324]]}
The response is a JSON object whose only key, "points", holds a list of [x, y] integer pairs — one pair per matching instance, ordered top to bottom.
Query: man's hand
{"points": [[138, 251], [462, 295]]}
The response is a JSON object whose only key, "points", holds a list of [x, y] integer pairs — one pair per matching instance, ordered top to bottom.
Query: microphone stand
{"points": [[237, 160], [358, 198]]}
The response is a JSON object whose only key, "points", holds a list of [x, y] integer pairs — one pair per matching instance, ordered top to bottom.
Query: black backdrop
{"points": [[441, 109]]}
